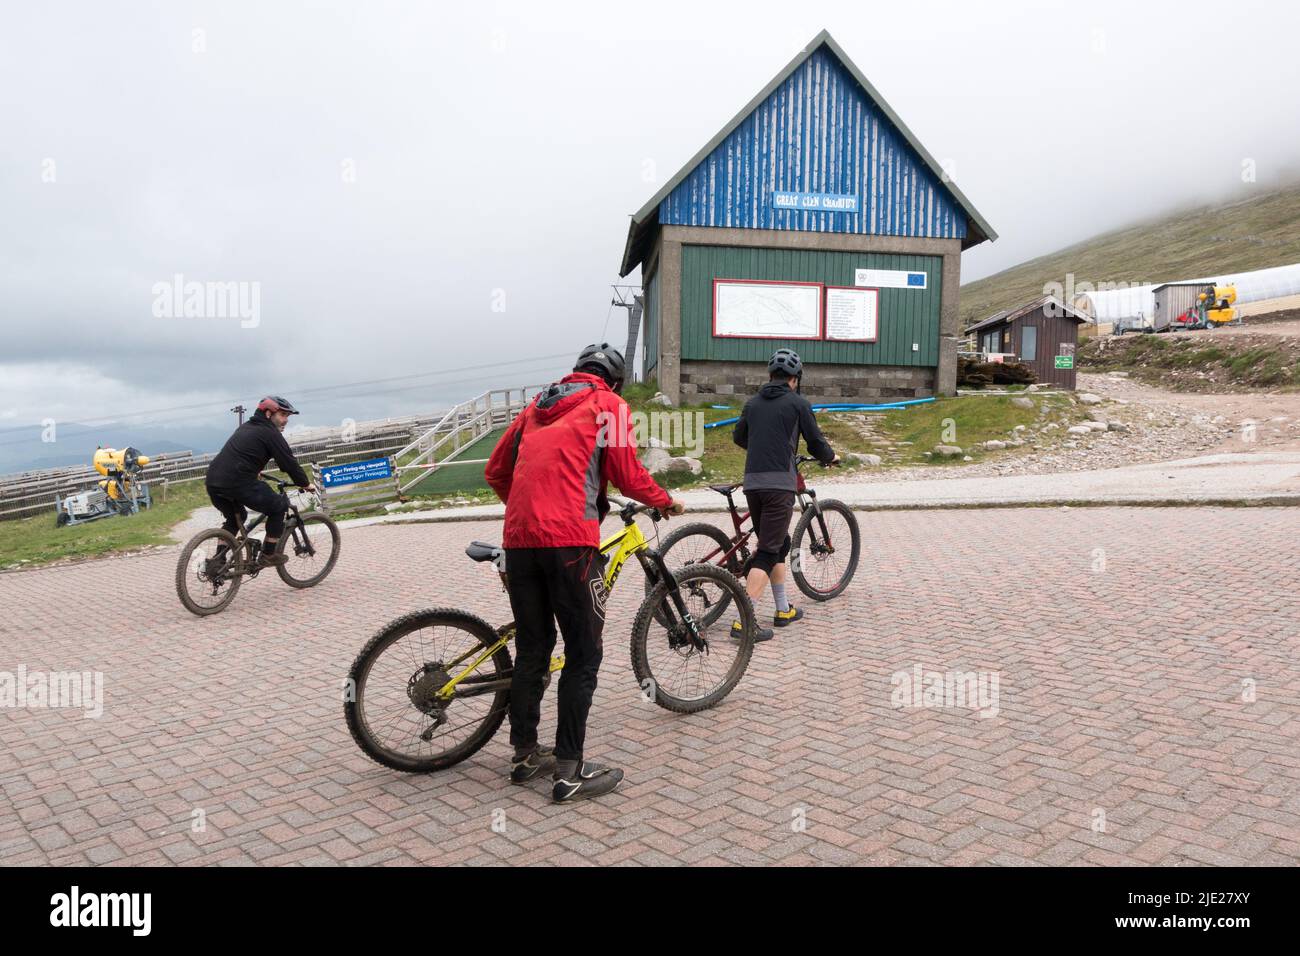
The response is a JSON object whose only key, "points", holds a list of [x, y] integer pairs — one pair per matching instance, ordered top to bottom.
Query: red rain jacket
{"points": [[552, 465]]}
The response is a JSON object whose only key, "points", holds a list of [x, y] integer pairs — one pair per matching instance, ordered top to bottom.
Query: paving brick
{"points": [[1118, 692]]}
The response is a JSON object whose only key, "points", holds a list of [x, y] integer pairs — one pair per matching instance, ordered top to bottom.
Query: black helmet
{"points": [[606, 358], [787, 361], [274, 403]]}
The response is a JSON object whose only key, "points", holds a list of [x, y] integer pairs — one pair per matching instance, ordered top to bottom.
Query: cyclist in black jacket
{"points": [[769, 430], [232, 479]]}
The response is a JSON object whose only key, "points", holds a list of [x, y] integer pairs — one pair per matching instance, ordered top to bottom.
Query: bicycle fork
{"points": [[820, 522], [654, 566]]}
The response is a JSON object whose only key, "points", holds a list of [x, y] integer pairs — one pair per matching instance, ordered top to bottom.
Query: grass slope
{"points": [[1240, 236], [37, 541]]}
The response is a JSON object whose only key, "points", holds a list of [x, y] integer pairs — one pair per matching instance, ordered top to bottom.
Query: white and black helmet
{"points": [[787, 361]]}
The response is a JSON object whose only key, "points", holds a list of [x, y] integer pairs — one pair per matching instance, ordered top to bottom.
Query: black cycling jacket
{"points": [[769, 430], [246, 453]]}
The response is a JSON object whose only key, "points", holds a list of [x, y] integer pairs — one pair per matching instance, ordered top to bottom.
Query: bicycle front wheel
{"points": [[697, 543], [312, 550], [825, 550], [670, 667], [391, 702]]}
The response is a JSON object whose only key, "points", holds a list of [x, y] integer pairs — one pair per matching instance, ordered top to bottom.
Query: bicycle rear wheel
{"points": [[824, 558], [207, 573], [675, 673], [391, 703]]}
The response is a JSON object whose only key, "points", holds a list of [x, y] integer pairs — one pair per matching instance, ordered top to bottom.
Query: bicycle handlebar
{"points": [[805, 459], [281, 483], [630, 509]]}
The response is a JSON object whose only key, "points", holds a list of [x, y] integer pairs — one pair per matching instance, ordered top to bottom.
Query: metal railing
{"points": [[458, 430]]}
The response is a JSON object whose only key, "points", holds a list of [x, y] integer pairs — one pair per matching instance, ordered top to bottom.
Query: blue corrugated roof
{"points": [[817, 127]]}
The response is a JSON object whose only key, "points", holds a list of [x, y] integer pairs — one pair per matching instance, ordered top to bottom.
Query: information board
{"points": [[767, 310], [852, 314]]}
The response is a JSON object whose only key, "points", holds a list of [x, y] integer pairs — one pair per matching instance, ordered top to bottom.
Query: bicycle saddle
{"points": [[725, 489], [482, 551]]}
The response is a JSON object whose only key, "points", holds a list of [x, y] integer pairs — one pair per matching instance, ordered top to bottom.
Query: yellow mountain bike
{"points": [[432, 687]]}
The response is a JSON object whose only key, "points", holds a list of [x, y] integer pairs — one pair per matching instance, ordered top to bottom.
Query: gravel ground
{"points": [[1158, 426]]}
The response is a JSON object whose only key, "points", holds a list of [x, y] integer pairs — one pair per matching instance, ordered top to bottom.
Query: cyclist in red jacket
{"points": [[551, 468]]}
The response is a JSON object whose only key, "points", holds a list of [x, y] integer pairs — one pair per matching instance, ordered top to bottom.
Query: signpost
{"points": [[356, 471], [359, 485]]}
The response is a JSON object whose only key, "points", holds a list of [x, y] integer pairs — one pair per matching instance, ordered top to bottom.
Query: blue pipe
{"points": [[842, 407]]}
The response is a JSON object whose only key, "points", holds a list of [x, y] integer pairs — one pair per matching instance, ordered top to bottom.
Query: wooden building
{"points": [[814, 220], [1042, 334]]}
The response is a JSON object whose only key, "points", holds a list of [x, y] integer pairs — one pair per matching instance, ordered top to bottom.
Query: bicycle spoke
{"points": [[685, 672], [392, 719]]}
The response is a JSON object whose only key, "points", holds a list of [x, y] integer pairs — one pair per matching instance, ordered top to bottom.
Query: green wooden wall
{"points": [[906, 315], [651, 327]]}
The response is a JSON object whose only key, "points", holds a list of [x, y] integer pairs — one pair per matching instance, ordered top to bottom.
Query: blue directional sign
{"points": [[355, 471]]}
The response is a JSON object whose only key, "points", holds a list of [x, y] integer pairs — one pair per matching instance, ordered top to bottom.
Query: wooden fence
{"points": [[418, 446]]}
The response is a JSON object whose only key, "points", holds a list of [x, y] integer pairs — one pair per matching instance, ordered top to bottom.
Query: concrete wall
{"points": [[668, 257]]}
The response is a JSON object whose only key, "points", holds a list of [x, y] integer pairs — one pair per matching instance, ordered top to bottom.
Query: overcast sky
{"points": [[428, 187]]}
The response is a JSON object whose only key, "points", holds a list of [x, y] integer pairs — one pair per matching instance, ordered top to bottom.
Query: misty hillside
{"points": [[1239, 236], [31, 454]]}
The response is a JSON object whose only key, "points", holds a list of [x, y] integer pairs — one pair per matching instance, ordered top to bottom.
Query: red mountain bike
{"points": [[824, 548]]}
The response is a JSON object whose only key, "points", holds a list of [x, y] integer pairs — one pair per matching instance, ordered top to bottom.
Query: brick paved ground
{"points": [[1119, 692]]}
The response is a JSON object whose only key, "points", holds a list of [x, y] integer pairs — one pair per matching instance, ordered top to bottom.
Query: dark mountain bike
{"points": [[824, 548], [214, 563], [432, 687]]}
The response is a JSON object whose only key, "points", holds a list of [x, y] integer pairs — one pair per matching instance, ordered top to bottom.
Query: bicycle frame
{"points": [[807, 499], [292, 529], [617, 548]]}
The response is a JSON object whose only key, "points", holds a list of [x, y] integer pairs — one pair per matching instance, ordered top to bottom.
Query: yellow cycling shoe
{"points": [[782, 618]]}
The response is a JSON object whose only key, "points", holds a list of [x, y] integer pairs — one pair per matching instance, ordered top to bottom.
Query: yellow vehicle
{"points": [[1215, 304], [121, 492], [432, 687]]}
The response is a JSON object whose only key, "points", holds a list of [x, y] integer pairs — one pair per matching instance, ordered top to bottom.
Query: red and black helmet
{"points": [[274, 403]]}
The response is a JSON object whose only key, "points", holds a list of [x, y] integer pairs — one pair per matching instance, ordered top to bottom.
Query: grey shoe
{"points": [[760, 633], [532, 766], [590, 780]]}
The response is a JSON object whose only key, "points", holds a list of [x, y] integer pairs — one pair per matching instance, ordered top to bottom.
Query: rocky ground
{"points": [[1263, 354], [1118, 422]]}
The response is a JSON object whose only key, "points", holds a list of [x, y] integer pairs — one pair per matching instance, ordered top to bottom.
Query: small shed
{"points": [[1173, 301], [1042, 334]]}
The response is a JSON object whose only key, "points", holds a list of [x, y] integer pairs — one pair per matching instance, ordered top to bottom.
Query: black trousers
{"points": [[234, 502], [548, 585]]}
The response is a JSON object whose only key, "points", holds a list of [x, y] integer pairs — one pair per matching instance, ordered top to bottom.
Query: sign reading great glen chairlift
{"points": [[815, 202]]}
